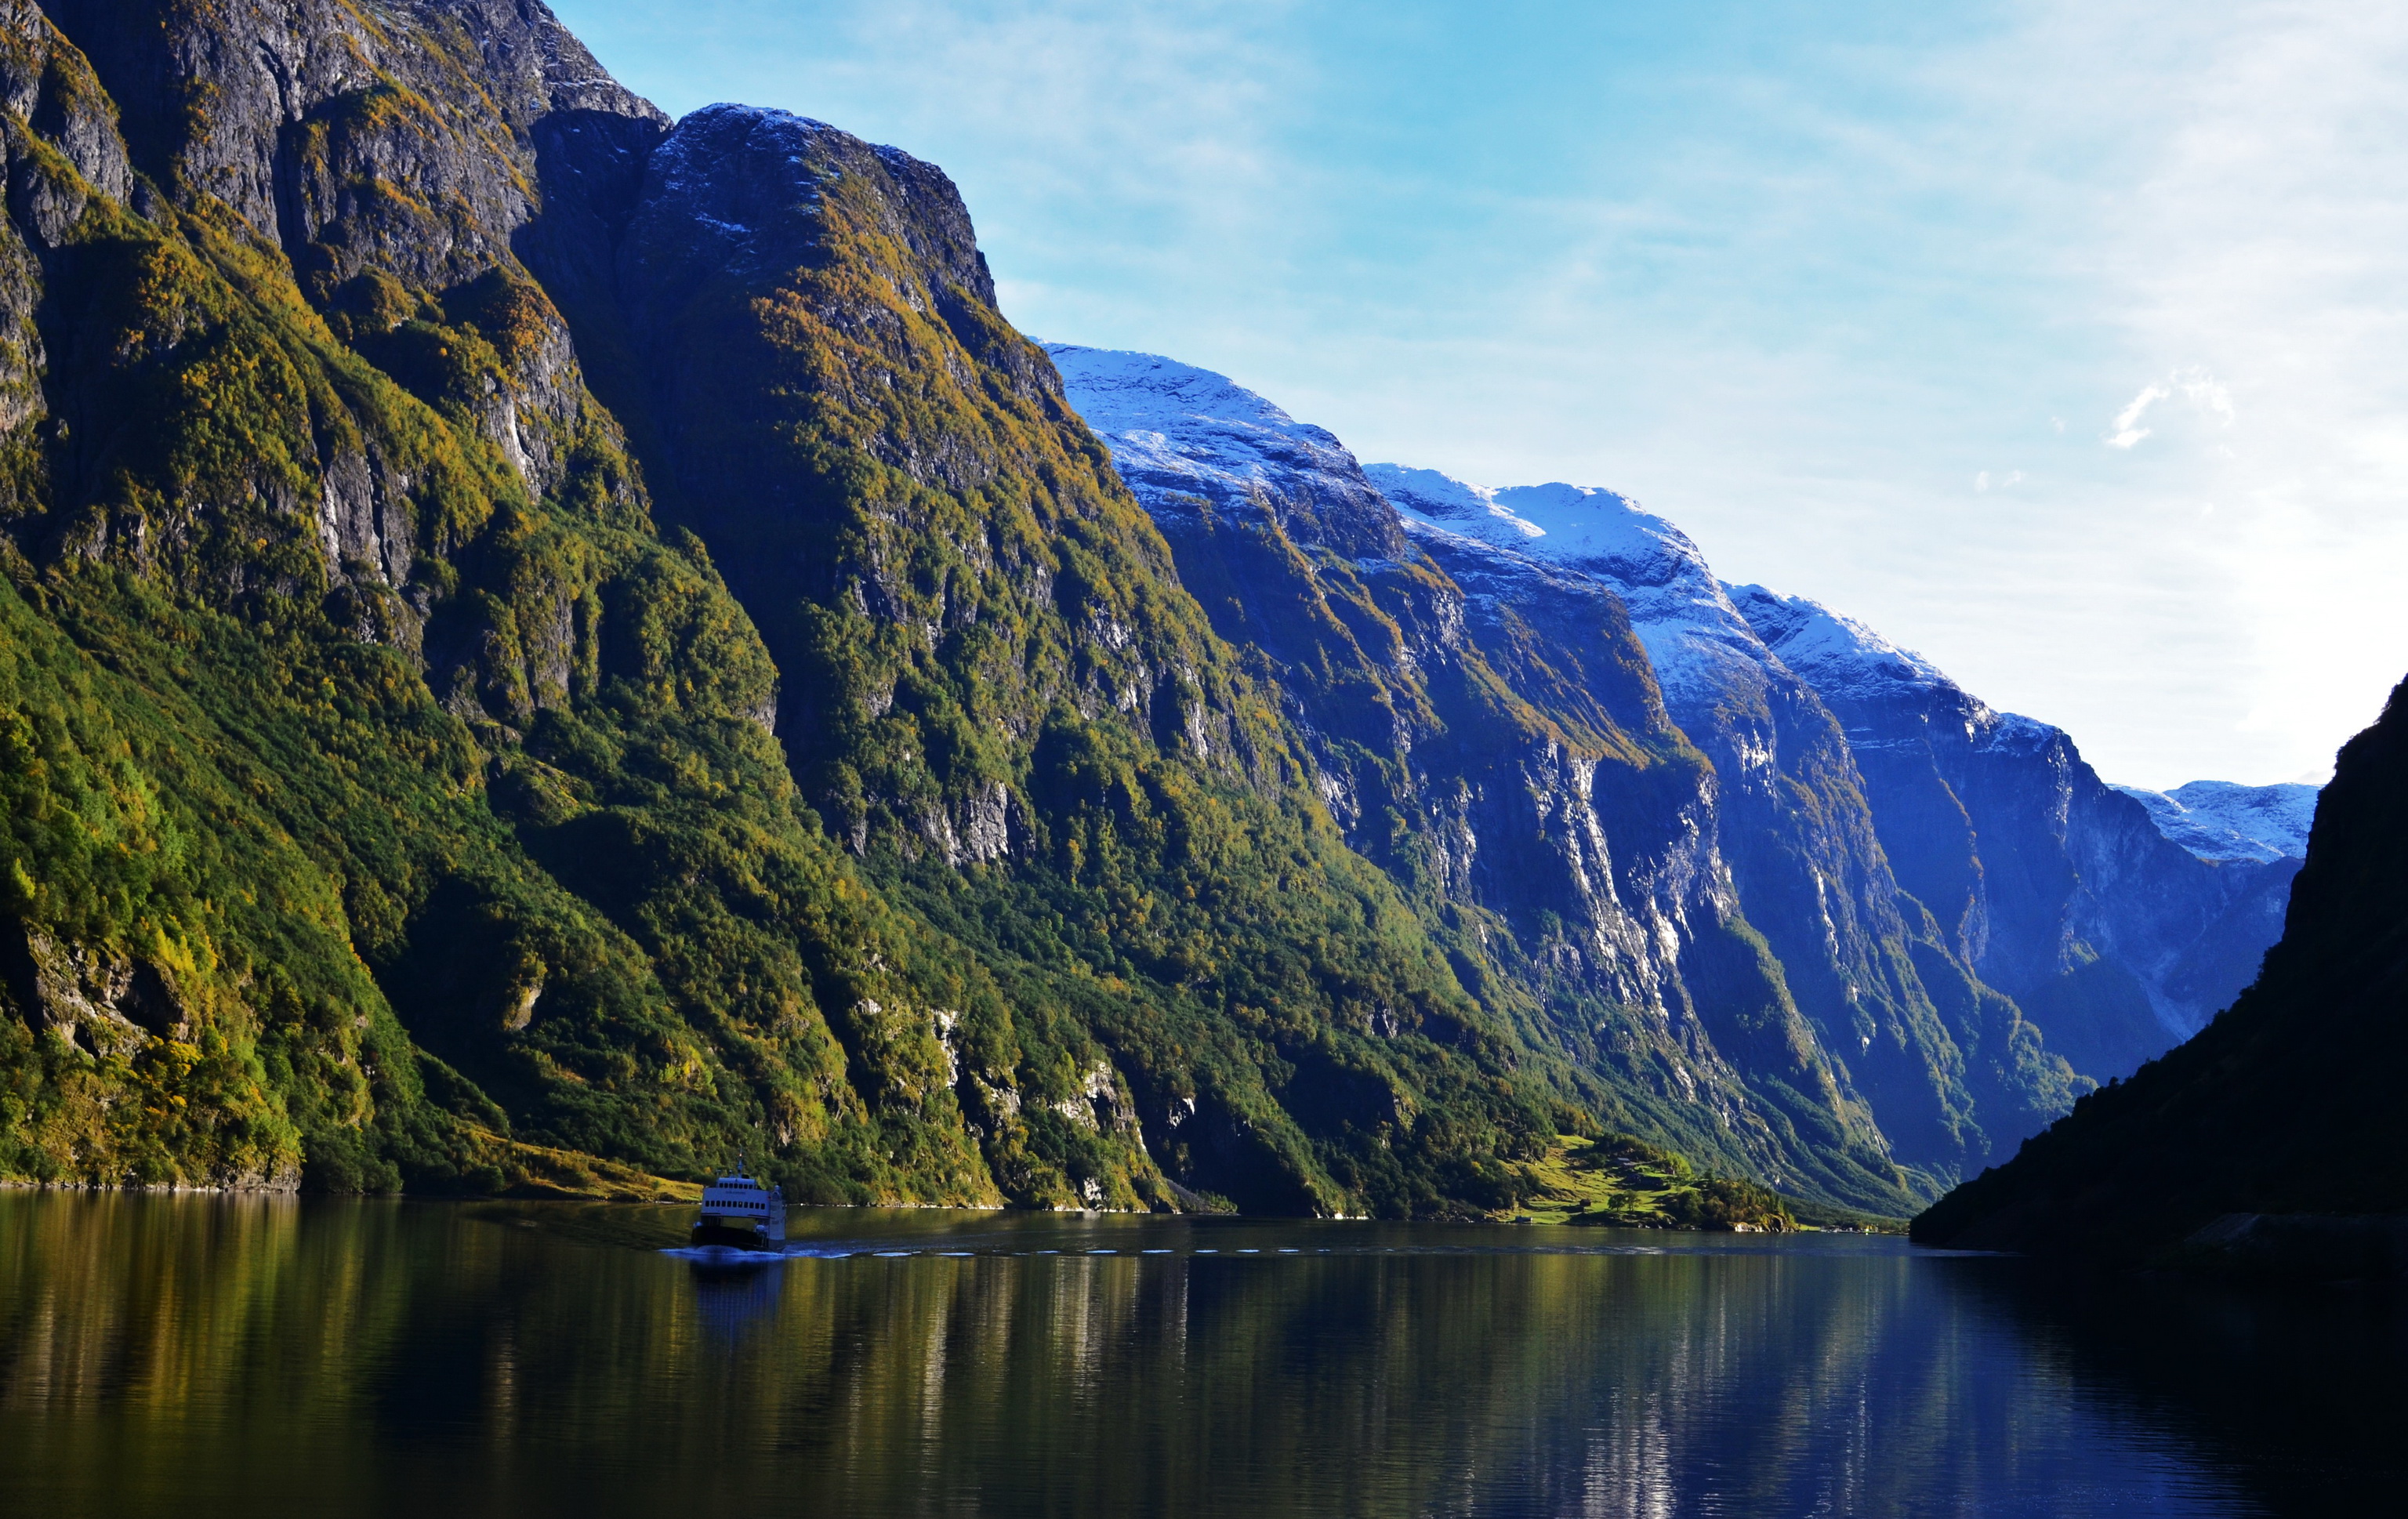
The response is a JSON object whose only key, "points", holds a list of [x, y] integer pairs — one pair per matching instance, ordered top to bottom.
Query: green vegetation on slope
{"points": [[998, 694], [391, 805], [276, 907], [1621, 1181]]}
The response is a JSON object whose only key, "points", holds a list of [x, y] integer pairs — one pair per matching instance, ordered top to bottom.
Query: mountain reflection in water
{"points": [[210, 1356]]}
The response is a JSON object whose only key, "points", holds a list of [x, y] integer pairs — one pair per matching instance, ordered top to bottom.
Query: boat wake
{"points": [[726, 1254]]}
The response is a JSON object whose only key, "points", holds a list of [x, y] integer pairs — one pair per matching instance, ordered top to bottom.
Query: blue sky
{"points": [[2060, 341]]}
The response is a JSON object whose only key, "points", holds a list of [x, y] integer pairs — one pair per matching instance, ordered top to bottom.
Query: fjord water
{"points": [[260, 1356]]}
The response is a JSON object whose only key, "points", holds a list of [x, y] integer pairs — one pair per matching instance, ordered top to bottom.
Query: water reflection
{"points": [[736, 1298], [262, 1356]]}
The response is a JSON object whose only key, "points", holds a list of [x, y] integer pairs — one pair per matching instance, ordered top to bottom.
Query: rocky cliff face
{"points": [[1562, 601], [2066, 892], [1947, 1062], [2287, 1104]]}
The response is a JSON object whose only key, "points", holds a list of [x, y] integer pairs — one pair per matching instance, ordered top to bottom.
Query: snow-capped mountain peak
{"points": [[1180, 435], [1693, 635], [1830, 650], [2221, 820]]}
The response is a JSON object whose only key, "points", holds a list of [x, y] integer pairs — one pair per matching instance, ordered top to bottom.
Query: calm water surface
{"points": [[208, 1357]]}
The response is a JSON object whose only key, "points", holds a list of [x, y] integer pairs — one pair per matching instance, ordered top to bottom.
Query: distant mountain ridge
{"points": [[540, 645], [2219, 821], [2016, 868], [2190, 935], [2273, 1143]]}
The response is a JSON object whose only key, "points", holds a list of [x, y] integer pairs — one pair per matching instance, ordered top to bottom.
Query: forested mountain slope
{"points": [[398, 793], [390, 798], [2287, 1104]]}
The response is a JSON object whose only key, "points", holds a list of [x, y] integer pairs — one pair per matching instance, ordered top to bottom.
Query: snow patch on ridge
{"points": [[1178, 432], [1694, 636], [1833, 652], [1856, 670], [2222, 820]]}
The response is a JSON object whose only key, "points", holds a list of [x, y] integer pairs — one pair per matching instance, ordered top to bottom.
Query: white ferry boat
{"points": [[741, 1214]]}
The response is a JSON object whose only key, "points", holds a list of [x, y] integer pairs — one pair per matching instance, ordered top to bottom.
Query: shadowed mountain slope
{"points": [[2117, 938], [1950, 1067], [2287, 1104]]}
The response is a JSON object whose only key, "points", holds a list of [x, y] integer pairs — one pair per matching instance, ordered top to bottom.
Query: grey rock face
{"points": [[390, 151], [400, 156], [1487, 728], [2058, 889], [102, 1001], [1946, 1065]]}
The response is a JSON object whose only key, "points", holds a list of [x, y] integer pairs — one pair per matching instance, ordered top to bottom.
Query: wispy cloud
{"points": [[2195, 385], [2201, 390], [2127, 429]]}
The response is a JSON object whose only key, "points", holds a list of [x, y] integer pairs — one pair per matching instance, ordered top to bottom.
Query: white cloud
{"points": [[2195, 385], [2201, 390], [2129, 430]]}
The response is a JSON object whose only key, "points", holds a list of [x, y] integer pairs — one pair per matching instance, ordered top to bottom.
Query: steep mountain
{"points": [[1279, 532], [544, 646], [388, 799], [1973, 929], [2115, 937], [1948, 1066], [2287, 1104]]}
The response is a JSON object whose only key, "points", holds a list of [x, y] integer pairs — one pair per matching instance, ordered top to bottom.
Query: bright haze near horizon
{"points": [[2060, 342]]}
